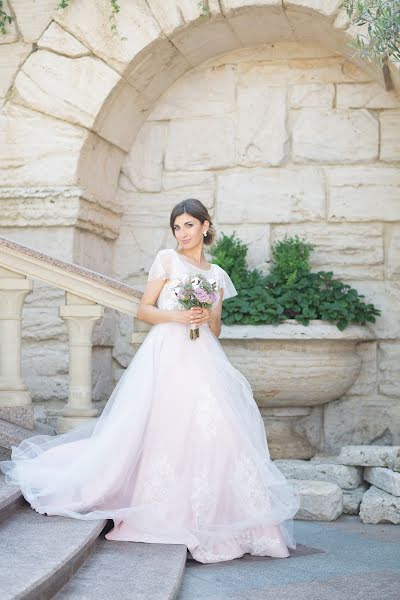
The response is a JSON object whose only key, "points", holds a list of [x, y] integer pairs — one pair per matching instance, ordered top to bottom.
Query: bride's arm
{"points": [[148, 312], [215, 316]]}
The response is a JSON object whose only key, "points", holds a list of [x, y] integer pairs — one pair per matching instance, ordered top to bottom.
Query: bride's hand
{"points": [[195, 315], [199, 315]]}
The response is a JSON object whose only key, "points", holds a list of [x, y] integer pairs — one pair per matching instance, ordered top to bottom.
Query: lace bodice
{"points": [[169, 264]]}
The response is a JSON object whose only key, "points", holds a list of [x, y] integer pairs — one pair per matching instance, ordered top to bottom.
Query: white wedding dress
{"points": [[179, 454]]}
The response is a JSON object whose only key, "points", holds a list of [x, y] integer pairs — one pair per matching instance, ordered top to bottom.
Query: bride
{"points": [[179, 454]]}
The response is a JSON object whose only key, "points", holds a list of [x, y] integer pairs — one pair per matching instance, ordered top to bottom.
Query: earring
{"points": [[204, 233]]}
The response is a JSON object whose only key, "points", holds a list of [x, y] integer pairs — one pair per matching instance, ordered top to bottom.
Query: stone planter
{"points": [[293, 368]]}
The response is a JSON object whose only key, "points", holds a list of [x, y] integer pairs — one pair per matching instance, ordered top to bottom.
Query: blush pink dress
{"points": [[179, 454]]}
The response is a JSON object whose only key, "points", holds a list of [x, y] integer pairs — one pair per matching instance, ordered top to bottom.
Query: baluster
{"points": [[80, 315], [15, 399]]}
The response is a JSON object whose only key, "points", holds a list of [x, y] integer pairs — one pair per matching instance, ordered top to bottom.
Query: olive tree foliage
{"points": [[380, 20]]}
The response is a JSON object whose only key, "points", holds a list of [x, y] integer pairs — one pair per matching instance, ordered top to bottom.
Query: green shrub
{"points": [[289, 291]]}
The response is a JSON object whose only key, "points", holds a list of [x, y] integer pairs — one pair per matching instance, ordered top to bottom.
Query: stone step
{"points": [[20, 415], [12, 434], [10, 499], [319, 500], [39, 553], [128, 571]]}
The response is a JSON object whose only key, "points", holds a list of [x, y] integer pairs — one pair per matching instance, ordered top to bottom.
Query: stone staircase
{"points": [[43, 557]]}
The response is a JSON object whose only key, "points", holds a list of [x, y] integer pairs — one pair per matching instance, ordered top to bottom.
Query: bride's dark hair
{"points": [[196, 209]]}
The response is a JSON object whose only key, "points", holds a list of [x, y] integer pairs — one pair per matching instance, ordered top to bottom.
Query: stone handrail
{"points": [[70, 277], [86, 294]]}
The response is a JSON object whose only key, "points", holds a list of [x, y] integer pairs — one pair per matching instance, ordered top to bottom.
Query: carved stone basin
{"points": [[292, 368]]}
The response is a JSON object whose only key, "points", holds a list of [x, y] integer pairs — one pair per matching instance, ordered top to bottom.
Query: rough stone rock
{"points": [[371, 456], [344, 476], [383, 478], [352, 499], [319, 500], [378, 506]]}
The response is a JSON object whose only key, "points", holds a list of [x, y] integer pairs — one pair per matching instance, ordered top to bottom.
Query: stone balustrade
{"points": [[86, 295]]}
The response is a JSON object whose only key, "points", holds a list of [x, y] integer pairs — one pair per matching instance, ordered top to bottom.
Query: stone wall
{"points": [[283, 139]]}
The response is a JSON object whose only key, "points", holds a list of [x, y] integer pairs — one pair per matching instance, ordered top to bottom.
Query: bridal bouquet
{"points": [[196, 290]]}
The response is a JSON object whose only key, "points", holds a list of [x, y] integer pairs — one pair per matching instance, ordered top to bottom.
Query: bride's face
{"points": [[189, 231]]}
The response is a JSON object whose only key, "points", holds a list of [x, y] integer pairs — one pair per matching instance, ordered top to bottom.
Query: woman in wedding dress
{"points": [[179, 454]]}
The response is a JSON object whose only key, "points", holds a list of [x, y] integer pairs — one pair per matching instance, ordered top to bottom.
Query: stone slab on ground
{"points": [[371, 456], [344, 476], [383, 478], [352, 499], [319, 500], [378, 506]]}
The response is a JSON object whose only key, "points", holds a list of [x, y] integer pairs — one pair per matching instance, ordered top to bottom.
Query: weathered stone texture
{"points": [[319, 500], [378, 506]]}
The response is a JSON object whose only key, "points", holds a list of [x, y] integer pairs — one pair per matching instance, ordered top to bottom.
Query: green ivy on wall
{"points": [[4, 18]]}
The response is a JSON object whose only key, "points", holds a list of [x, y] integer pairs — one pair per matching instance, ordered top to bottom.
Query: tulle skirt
{"points": [[179, 455]]}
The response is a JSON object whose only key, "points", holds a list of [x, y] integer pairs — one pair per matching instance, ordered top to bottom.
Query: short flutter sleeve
{"points": [[161, 267], [226, 283]]}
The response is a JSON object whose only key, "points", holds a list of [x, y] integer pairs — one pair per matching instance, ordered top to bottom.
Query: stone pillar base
{"points": [[15, 397], [65, 424], [283, 440]]}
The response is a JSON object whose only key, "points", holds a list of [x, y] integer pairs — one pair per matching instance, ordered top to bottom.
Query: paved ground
{"points": [[340, 560]]}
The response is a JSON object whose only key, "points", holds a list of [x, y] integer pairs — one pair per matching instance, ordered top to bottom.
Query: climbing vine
{"points": [[115, 8], [4, 18]]}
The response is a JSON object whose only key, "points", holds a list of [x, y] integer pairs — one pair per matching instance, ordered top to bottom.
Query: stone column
{"points": [[80, 315], [13, 391]]}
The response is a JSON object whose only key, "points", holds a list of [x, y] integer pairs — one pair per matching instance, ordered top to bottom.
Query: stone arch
{"points": [[94, 91]]}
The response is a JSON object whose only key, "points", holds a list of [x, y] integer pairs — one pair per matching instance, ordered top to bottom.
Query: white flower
{"points": [[195, 282]]}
